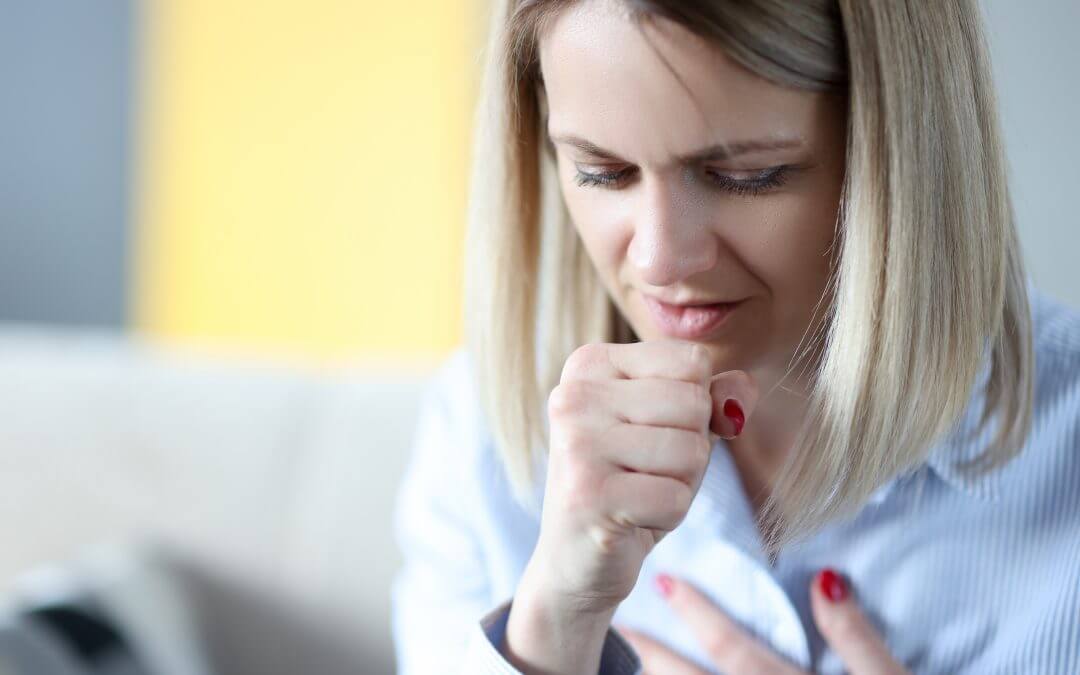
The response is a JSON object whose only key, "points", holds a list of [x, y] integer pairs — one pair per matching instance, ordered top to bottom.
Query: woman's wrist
{"points": [[545, 636]]}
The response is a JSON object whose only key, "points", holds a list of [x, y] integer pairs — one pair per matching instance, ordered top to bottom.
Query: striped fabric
{"points": [[959, 576]]}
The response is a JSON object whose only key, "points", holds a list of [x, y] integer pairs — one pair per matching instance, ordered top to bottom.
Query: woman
{"points": [[755, 379]]}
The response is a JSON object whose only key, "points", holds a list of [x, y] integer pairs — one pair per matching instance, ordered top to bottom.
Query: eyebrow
{"points": [[719, 151]]}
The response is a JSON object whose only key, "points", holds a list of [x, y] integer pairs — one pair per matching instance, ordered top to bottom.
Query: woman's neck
{"points": [[770, 434]]}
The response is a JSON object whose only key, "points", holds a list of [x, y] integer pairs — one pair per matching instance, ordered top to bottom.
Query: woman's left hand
{"points": [[733, 650]]}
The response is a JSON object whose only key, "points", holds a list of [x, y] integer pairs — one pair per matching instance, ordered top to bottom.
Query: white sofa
{"points": [[272, 485]]}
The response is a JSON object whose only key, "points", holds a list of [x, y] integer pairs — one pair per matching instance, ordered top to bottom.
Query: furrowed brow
{"points": [[717, 152]]}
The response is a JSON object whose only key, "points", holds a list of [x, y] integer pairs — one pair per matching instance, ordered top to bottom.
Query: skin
{"points": [[666, 228], [630, 423], [730, 648]]}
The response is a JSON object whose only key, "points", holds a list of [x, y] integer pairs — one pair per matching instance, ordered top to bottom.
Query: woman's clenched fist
{"points": [[631, 430]]}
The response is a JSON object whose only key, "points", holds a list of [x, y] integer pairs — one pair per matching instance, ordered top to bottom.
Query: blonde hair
{"points": [[927, 283]]}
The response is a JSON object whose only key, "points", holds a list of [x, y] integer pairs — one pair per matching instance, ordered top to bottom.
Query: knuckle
{"points": [[582, 359], [700, 360], [567, 398], [557, 403], [702, 403], [693, 450], [704, 452], [607, 538]]}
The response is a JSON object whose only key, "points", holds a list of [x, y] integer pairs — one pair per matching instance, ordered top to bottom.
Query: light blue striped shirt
{"points": [[958, 576]]}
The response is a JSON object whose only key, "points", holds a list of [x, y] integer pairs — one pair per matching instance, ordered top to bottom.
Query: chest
{"points": [[947, 597]]}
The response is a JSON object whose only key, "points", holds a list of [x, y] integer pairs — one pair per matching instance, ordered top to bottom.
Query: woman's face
{"points": [[660, 215]]}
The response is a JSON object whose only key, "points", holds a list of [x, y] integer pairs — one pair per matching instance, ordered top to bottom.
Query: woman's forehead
{"points": [[655, 91]]}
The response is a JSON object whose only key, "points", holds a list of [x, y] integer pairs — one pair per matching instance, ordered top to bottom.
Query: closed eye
{"points": [[762, 181]]}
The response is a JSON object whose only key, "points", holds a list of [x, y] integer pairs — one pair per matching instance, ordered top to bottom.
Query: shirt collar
{"points": [[961, 447], [951, 459], [947, 462], [724, 507]]}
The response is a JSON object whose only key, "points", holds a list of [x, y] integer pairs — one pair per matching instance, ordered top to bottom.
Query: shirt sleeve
{"points": [[443, 617], [617, 657]]}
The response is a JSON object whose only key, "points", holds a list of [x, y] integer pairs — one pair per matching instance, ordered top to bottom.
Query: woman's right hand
{"points": [[630, 437]]}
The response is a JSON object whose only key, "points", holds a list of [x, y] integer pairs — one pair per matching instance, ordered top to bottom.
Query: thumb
{"points": [[734, 395], [846, 629]]}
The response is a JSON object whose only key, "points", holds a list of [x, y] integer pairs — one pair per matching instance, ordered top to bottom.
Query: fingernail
{"points": [[734, 412], [665, 585], [832, 585]]}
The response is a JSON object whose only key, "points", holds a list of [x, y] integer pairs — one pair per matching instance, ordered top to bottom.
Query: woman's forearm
{"points": [[543, 639]]}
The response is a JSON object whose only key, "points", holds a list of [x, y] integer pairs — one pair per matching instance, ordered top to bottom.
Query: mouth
{"points": [[690, 322]]}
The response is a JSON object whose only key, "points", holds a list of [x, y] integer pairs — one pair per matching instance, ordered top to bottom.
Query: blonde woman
{"points": [[755, 379]]}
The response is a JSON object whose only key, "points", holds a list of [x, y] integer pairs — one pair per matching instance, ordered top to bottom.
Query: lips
{"points": [[692, 303], [689, 322]]}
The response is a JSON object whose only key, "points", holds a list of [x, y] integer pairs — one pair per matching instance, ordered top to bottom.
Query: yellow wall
{"points": [[303, 169]]}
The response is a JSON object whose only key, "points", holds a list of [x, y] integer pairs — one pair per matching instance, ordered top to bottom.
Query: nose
{"points": [[672, 237]]}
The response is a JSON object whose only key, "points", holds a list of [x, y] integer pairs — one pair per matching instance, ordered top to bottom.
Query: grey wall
{"points": [[1035, 45], [65, 92]]}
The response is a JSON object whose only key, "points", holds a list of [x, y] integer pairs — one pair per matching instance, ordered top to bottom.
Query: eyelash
{"points": [[767, 180]]}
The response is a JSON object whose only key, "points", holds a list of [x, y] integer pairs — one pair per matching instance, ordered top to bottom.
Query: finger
{"points": [[673, 359], [652, 401], [656, 402], [727, 419], [663, 451], [645, 500], [846, 629], [730, 647], [656, 659]]}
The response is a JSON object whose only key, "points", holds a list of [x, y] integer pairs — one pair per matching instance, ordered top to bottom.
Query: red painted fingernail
{"points": [[735, 414], [665, 585], [832, 585]]}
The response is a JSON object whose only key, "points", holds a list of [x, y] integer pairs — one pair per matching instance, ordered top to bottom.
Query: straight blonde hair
{"points": [[927, 279]]}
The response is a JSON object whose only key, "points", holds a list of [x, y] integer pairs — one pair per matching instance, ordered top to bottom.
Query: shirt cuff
{"points": [[617, 657]]}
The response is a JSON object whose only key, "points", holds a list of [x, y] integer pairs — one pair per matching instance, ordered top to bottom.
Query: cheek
{"points": [[600, 225], [788, 243]]}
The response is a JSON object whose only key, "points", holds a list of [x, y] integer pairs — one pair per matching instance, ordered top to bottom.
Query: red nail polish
{"points": [[735, 414], [665, 585], [832, 585]]}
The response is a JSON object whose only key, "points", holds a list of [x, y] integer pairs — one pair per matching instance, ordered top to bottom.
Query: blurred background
{"points": [[230, 256]]}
